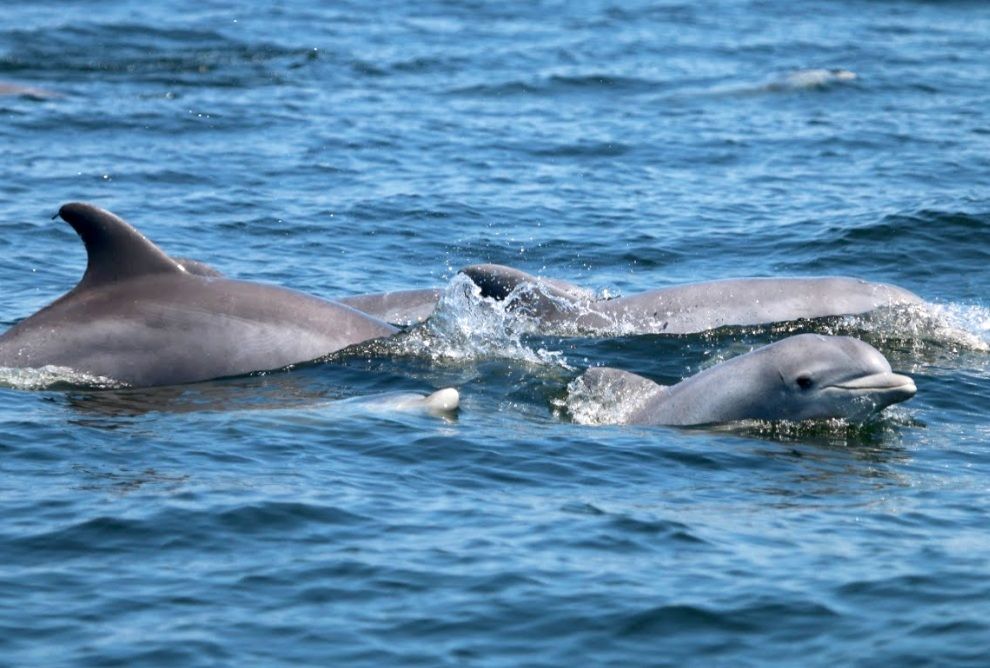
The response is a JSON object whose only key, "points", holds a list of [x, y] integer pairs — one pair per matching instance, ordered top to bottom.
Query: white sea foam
{"points": [[955, 327], [54, 378], [602, 401]]}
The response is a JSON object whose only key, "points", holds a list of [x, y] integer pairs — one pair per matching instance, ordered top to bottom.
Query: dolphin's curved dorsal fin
{"points": [[115, 250], [498, 281]]}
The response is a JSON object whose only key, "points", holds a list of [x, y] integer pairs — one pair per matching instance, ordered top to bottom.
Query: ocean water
{"points": [[285, 519]]}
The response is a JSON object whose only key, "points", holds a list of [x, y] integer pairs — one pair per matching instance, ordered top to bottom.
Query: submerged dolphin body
{"points": [[685, 309], [143, 318], [802, 377]]}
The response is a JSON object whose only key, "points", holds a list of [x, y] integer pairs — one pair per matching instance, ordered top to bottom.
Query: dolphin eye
{"points": [[805, 382]]}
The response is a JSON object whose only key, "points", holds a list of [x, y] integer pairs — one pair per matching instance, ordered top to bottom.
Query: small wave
{"points": [[145, 52], [602, 81], [560, 84], [498, 89], [581, 150], [930, 226], [55, 378]]}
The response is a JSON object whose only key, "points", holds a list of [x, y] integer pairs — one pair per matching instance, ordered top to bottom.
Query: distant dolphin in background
{"points": [[810, 78], [30, 92], [684, 309], [143, 318], [802, 377]]}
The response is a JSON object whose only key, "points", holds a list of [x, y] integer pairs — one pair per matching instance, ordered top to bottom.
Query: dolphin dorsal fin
{"points": [[115, 250]]}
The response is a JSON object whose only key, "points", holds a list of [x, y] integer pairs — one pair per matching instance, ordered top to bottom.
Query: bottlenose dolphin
{"points": [[684, 309], [140, 317], [802, 377]]}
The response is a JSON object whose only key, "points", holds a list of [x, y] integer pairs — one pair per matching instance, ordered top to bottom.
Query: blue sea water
{"points": [[340, 148]]}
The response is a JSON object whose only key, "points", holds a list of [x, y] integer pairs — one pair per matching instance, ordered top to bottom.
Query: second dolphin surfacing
{"points": [[683, 309], [802, 377]]}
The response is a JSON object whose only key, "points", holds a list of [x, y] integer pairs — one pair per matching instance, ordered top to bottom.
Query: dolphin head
{"points": [[813, 376], [802, 377]]}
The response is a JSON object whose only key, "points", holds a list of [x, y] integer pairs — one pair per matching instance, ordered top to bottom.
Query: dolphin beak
{"points": [[887, 388]]}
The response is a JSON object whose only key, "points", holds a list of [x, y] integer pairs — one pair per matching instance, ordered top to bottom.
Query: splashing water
{"points": [[467, 326], [956, 327], [55, 378], [599, 404]]}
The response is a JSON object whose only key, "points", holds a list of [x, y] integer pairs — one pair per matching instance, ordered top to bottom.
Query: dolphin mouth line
{"points": [[878, 382]]}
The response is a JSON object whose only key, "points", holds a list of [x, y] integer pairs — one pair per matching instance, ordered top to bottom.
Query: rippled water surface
{"points": [[341, 148]]}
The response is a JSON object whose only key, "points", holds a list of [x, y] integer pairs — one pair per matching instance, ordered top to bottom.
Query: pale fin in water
{"points": [[446, 400], [441, 402]]}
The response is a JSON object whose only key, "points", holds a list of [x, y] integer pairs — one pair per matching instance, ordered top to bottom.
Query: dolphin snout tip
{"points": [[905, 385], [885, 386], [896, 388], [446, 400]]}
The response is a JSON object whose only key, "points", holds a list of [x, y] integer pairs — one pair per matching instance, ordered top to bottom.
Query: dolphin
{"points": [[810, 79], [29, 92], [684, 309], [145, 319], [802, 377]]}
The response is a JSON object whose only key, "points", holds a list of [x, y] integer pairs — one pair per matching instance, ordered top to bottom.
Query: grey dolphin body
{"points": [[398, 307], [401, 307], [686, 309], [143, 318], [802, 377]]}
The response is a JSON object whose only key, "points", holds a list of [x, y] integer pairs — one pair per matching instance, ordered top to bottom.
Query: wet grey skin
{"points": [[399, 307], [691, 308], [143, 318], [802, 377]]}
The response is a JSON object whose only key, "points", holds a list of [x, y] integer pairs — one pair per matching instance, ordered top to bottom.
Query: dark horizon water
{"points": [[286, 519]]}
